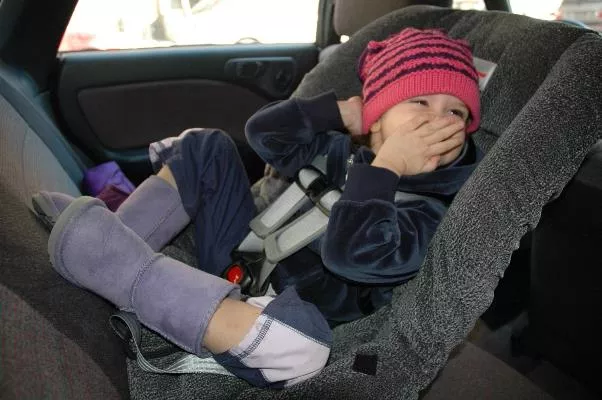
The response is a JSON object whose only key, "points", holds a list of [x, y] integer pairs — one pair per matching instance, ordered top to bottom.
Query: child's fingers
{"points": [[355, 99], [419, 121], [433, 124], [444, 132], [376, 142], [445, 146], [431, 164]]}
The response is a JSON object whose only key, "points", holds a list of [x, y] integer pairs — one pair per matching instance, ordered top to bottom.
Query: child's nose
{"points": [[430, 112], [440, 112]]}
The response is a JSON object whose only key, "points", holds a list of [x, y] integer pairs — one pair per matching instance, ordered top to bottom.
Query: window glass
{"points": [[469, 4], [541, 9], [584, 13], [127, 24]]}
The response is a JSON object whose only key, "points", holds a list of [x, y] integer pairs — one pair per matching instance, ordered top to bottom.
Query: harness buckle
{"points": [[318, 186], [245, 271]]}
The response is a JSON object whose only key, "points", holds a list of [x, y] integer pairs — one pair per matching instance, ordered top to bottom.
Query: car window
{"points": [[469, 4], [541, 9], [587, 12], [583, 13], [128, 24]]}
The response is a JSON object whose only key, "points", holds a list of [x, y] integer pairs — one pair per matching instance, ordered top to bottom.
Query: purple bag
{"points": [[96, 179], [113, 197]]}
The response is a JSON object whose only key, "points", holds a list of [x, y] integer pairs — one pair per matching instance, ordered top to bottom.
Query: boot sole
{"points": [[44, 210], [74, 210]]}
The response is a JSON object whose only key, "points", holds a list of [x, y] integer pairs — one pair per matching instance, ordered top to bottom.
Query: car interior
{"points": [[511, 278]]}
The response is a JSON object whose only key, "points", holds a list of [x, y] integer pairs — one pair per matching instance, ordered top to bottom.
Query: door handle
{"points": [[274, 75]]}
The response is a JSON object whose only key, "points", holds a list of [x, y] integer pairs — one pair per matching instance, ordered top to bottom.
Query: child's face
{"points": [[435, 105]]}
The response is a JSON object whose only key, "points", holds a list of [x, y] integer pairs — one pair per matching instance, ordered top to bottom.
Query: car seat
{"points": [[538, 123], [529, 131], [49, 347]]}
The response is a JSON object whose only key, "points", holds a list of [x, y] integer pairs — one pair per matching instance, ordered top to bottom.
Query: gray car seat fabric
{"points": [[19, 91], [539, 120], [27, 164], [529, 165], [54, 338], [70, 348], [27, 360]]}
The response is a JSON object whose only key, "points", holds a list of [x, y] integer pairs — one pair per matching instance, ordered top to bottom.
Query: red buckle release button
{"points": [[235, 273]]}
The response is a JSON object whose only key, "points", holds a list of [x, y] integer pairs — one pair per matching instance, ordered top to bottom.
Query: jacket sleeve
{"points": [[289, 134], [370, 239]]}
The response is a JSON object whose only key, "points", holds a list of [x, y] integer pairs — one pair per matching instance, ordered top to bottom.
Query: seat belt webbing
{"points": [[302, 231], [127, 326]]}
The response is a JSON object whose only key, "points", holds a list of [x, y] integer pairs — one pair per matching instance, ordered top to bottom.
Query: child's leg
{"points": [[209, 175], [210, 186], [154, 211], [269, 342]]}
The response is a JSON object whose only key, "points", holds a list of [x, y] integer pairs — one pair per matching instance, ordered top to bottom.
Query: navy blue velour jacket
{"points": [[379, 230]]}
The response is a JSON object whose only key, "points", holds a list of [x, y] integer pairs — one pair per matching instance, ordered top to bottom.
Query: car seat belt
{"points": [[289, 202], [269, 241], [127, 327]]}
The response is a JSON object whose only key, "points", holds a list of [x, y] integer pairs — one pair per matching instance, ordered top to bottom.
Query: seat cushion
{"points": [[55, 338], [56, 341], [472, 373]]}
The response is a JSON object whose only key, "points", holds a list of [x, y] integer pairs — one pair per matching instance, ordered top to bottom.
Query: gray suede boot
{"points": [[49, 205], [154, 211], [92, 248]]}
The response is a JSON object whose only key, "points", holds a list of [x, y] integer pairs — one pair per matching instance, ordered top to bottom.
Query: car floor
{"points": [[552, 380]]}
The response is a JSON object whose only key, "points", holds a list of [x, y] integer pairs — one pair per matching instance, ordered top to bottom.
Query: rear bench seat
{"points": [[55, 338]]}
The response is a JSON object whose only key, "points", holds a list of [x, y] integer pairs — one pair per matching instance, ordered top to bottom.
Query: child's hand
{"points": [[351, 114], [418, 146]]}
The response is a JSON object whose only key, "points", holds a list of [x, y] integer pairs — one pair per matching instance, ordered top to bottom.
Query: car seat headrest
{"points": [[352, 15]]}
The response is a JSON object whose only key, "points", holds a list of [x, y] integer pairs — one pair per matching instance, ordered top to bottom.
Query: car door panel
{"points": [[114, 103], [133, 115]]}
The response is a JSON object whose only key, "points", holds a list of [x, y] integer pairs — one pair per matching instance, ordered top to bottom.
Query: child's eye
{"points": [[421, 102], [458, 113]]}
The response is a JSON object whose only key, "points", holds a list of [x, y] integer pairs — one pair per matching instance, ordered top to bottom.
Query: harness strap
{"points": [[290, 201], [283, 208], [301, 231], [272, 242], [127, 327]]}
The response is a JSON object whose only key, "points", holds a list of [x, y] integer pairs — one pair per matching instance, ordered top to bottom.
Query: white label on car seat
{"points": [[485, 69]]}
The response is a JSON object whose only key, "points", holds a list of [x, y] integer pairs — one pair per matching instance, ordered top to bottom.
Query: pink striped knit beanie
{"points": [[414, 63]]}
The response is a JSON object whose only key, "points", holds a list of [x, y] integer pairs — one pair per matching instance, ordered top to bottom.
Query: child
{"points": [[420, 97]]}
